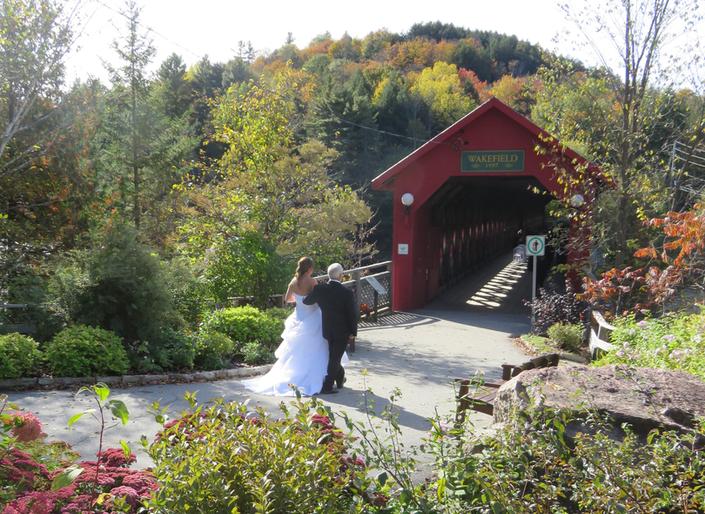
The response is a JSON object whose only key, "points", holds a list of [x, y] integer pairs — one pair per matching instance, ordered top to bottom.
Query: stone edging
{"points": [[44, 383]]}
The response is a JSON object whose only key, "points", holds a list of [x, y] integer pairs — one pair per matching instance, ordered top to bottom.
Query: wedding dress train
{"points": [[302, 357]]}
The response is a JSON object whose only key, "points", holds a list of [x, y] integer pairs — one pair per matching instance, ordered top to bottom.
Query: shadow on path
{"points": [[355, 400]]}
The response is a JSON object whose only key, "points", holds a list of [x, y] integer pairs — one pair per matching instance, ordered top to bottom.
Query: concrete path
{"points": [[419, 353]]}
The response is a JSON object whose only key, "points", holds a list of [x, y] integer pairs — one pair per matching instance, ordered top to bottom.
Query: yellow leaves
{"points": [[440, 87], [508, 89]]}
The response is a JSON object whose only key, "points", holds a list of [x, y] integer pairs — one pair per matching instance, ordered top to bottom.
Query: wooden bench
{"points": [[479, 395]]}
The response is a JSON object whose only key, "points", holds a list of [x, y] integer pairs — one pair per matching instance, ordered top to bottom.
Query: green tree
{"points": [[638, 32], [34, 40], [470, 54], [131, 85], [171, 88], [343, 117], [145, 137], [269, 199]]}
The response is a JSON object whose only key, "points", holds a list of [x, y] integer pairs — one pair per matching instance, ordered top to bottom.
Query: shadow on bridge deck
{"points": [[500, 287]]}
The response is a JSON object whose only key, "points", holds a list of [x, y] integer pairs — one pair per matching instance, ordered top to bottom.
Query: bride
{"points": [[302, 357]]}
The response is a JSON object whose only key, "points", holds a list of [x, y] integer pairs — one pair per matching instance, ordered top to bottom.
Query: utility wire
{"points": [[151, 29]]}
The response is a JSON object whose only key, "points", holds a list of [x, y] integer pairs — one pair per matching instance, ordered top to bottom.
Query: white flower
{"points": [[669, 337], [680, 354]]}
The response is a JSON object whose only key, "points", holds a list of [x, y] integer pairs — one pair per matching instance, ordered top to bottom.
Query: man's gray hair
{"points": [[335, 271]]}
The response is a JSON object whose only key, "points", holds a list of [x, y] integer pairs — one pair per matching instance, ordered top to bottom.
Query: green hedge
{"points": [[244, 325], [213, 349], [82, 351], [19, 356]]}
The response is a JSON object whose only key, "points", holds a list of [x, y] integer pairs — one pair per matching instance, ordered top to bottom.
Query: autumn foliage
{"points": [[677, 260]]}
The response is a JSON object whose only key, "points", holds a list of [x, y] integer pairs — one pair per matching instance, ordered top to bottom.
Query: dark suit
{"points": [[339, 314]]}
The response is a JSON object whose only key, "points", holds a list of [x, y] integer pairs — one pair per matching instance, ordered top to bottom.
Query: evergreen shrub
{"points": [[173, 350], [81, 351]]}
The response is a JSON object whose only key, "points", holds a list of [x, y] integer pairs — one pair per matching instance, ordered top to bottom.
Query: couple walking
{"points": [[312, 353]]}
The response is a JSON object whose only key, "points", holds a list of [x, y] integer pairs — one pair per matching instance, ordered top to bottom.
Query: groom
{"points": [[337, 305]]}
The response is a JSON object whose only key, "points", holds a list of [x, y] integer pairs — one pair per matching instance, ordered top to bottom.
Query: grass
{"points": [[538, 345]]}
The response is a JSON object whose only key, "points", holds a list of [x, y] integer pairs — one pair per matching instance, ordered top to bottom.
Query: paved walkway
{"points": [[419, 353]]}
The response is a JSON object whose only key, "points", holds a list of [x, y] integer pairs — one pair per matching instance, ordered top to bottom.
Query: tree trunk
{"points": [[135, 166]]}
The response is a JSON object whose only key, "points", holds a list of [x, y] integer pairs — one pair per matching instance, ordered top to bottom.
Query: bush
{"points": [[246, 265], [118, 284], [30, 289], [186, 290], [551, 308], [280, 313], [246, 324], [568, 337], [675, 341], [213, 349], [173, 350], [82, 351], [255, 352], [19, 356], [236, 462], [537, 464], [533, 466], [27, 474]]}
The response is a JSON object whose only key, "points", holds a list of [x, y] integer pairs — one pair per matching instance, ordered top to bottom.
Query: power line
{"points": [[151, 29]]}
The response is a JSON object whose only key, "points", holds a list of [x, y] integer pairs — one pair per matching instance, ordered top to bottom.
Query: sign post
{"points": [[536, 247]]}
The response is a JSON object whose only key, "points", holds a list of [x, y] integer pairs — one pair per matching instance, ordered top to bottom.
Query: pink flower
{"points": [[320, 419], [27, 426], [115, 458], [142, 482], [128, 493], [80, 503]]}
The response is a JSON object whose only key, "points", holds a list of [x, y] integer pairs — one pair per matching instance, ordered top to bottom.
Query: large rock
{"points": [[643, 397]]}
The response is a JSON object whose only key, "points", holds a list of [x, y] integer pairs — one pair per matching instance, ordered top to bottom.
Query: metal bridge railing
{"points": [[372, 286]]}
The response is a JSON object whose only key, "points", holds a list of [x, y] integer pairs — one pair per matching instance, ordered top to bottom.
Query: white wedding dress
{"points": [[302, 357]]}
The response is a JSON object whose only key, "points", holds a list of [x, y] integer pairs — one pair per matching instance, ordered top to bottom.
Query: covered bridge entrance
{"points": [[470, 193]]}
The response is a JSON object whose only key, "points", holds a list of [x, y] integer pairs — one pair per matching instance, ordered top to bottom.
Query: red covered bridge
{"points": [[465, 195]]}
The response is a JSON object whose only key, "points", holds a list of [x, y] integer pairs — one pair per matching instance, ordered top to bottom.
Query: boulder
{"points": [[643, 397]]}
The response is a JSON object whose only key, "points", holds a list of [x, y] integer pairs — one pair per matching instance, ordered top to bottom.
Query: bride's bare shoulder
{"points": [[309, 284]]}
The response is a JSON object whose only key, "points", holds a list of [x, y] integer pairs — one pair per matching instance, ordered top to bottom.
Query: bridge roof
{"points": [[385, 179]]}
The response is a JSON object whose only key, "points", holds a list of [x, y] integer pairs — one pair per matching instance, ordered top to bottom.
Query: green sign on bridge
{"points": [[502, 160]]}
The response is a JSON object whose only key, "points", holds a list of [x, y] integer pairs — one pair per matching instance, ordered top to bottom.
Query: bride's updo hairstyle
{"points": [[305, 264]]}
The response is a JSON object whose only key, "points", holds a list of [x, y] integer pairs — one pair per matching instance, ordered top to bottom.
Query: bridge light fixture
{"points": [[407, 199], [577, 200]]}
